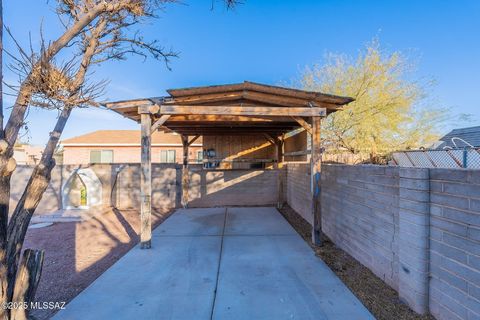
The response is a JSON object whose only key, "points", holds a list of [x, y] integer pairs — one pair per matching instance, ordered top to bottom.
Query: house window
{"points": [[101, 156], [167, 156], [199, 156]]}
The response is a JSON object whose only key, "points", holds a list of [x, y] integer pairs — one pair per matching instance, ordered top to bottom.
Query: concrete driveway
{"points": [[219, 263]]}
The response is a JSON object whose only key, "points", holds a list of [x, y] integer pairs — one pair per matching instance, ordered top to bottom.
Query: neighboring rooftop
{"points": [[123, 138], [459, 138]]}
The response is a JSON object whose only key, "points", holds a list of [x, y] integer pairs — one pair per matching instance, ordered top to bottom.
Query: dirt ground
{"points": [[76, 253], [382, 301]]}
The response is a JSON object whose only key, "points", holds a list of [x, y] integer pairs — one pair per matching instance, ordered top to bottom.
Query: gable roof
{"points": [[263, 88], [234, 95], [124, 138], [457, 138]]}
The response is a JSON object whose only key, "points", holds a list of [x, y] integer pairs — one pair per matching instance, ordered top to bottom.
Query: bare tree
{"points": [[101, 30]]}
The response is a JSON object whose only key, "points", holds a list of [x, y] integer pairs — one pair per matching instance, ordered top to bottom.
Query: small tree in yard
{"points": [[100, 30], [386, 114]]}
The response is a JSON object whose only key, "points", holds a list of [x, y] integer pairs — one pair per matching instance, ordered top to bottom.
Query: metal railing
{"points": [[448, 158]]}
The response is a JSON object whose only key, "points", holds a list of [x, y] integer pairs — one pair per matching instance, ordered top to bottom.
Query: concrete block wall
{"points": [[166, 180], [208, 188], [213, 188], [298, 191], [52, 198], [360, 212], [418, 229], [413, 237], [454, 244]]}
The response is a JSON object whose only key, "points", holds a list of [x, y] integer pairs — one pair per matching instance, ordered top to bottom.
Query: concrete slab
{"points": [[257, 221], [193, 222], [217, 263], [279, 277], [173, 280]]}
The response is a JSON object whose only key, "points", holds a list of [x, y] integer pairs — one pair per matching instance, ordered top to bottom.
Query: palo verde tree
{"points": [[98, 31], [389, 111]]}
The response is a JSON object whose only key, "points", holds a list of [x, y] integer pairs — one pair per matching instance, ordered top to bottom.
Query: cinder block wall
{"points": [[166, 179], [233, 187], [207, 188], [299, 195], [359, 208], [417, 229], [455, 244]]}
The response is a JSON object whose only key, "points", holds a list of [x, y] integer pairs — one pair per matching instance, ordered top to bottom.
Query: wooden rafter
{"points": [[157, 124], [304, 124], [269, 138], [193, 140]]}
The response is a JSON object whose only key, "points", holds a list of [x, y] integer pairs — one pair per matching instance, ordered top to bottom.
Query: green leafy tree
{"points": [[389, 111]]}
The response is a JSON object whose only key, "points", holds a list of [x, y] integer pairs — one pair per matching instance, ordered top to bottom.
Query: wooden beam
{"points": [[208, 98], [279, 100], [128, 104], [150, 108], [241, 110], [227, 118], [160, 122], [304, 124], [231, 125], [204, 128], [226, 132], [211, 133], [269, 138], [193, 140], [296, 153], [248, 160], [278, 165], [316, 166], [185, 176], [146, 182]]}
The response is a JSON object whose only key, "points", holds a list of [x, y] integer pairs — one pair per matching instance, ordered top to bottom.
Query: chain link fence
{"points": [[451, 158]]}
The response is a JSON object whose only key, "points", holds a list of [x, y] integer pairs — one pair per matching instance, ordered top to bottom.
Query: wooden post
{"points": [[278, 165], [316, 166], [185, 179], [146, 183]]}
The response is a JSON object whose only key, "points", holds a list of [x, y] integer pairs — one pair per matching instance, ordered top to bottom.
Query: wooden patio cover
{"points": [[235, 109]]}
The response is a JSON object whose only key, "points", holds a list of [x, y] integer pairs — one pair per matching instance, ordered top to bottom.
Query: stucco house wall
{"points": [[127, 154]]}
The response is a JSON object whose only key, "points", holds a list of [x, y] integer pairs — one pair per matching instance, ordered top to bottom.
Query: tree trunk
{"points": [[4, 193], [30, 199], [27, 282]]}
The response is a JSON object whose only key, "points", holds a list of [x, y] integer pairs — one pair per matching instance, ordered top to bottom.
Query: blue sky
{"points": [[271, 42]]}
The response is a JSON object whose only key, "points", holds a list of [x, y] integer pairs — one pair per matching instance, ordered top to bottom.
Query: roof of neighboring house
{"points": [[463, 137], [124, 138]]}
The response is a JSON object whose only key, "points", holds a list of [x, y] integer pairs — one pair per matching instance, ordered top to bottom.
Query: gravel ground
{"points": [[76, 253], [382, 301]]}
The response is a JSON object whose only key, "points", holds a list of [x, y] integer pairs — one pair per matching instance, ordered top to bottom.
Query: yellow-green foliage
{"points": [[386, 114]]}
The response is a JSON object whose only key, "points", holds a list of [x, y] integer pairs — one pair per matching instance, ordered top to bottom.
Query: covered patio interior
{"points": [[261, 112]]}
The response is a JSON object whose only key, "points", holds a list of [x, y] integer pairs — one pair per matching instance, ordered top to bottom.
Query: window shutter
{"points": [[95, 156], [107, 156], [163, 156], [171, 156]]}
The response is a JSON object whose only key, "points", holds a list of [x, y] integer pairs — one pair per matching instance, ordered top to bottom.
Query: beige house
{"points": [[123, 146], [26, 154]]}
